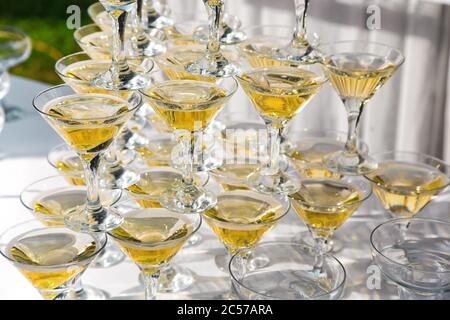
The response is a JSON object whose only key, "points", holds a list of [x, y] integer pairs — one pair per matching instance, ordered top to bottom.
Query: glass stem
{"points": [[301, 10], [215, 13], [119, 61], [354, 110], [273, 149], [188, 154], [93, 204], [319, 250], [151, 285]]}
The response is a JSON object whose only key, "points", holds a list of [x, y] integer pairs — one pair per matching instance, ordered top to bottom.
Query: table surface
{"points": [[26, 143]]}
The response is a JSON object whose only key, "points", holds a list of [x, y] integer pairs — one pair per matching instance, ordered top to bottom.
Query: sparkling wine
{"points": [[405, 188], [325, 204]]}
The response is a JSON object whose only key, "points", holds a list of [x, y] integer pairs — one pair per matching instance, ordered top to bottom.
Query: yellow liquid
{"points": [[178, 38], [97, 45], [259, 50], [174, 62], [80, 74], [356, 75], [278, 93], [187, 105], [75, 119], [157, 153], [309, 155], [71, 164], [233, 176], [151, 186], [406, 188], [324, 205], [240, 220], [152, 241], [34, 253]]}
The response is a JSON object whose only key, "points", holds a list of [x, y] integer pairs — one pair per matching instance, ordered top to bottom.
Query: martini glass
{"points": [[262, 41], [15, 48], [300, 49], [213, 63], [78, 70], [356, 70], [120, 75], [278, 93], [188, 107], [88, 123], [405, 182], [325, 204], [241, 218], [151, 238], [52, 259], [290, 276]]}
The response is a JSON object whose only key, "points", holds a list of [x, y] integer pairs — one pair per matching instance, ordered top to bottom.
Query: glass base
{"points": [[158, 21], [228, 36], [145, 47], [304, 54], [219, 67], [126, 80], [351, 164], [118, 178], [280, 183], [188, 200], [80, 220], [305, 239], [194, 240], [109, 257], [175, 279], [84, 293]]}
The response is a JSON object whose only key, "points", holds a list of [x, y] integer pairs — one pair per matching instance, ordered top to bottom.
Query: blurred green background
{"points": [[45, 22]]}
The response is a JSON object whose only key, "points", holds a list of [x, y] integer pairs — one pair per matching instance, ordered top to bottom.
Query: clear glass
{"points": [[158, 15], [15, 48], [301, 49], [213, 63], [356, 70], [120, 75], [277, 102], [405, 195], [187, 197], [323, 214], [93, 217], [240, 229], [153, 256], [416, 260], [294, 266], [53, 281]]}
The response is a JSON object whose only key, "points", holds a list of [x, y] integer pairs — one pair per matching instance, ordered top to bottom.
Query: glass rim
{"points": [[17, 31], [79, 38], [358, 41], [147, 65], [322, 79], [228, 95], [134, 108], [67, 150], [441, 162], [151, 169], [366, 193], [286, 207], [409, 220], [196, 227], [102, 243], [302, 249]]}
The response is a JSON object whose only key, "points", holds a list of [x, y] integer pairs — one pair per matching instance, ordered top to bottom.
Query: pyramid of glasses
{"points": [[146, 161]]}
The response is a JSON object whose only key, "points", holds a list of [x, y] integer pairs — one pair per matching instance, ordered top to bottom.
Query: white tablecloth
{"points": [[26, 143]]}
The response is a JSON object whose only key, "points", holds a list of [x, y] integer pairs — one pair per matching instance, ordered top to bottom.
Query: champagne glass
{"points": [[15, 48], [300, 49], [213, 63], [356, 70], [120, 76], [278, 93], [188, 107], [88, 123], [405, 182], [325, 204], [151, 238], [52, 259]]}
